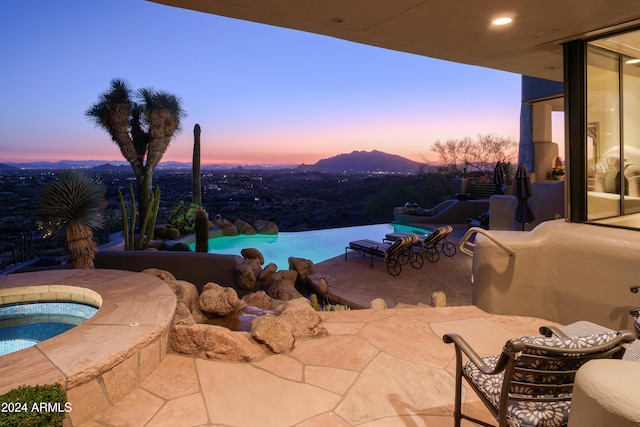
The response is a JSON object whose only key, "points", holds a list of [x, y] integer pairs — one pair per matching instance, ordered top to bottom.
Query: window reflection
{"points": [[613, 130]]}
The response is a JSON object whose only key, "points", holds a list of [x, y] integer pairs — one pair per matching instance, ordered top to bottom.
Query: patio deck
{"points": [[354, 280], [376, 368]]}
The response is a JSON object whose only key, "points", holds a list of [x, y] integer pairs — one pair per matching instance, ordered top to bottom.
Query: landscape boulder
{"points": [[227, 227], [244, 227], [265, 227], [252, 253], [303, 266], [266, 272], [160, 274], [246, 274], [288, 275], [318, 283], [284, 290], [186, 292], [258, 299], [438, 299], [217, 300], [378, 304], [183, 315], [199, 316], [306, 322], [274, 332], [215, 342]]}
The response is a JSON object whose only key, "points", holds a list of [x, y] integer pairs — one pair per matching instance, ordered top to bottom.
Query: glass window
{"points": [[613, 130]]}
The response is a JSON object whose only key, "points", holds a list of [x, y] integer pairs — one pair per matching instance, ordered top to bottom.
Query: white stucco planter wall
{"points": [[561, 271], [606, 394]]}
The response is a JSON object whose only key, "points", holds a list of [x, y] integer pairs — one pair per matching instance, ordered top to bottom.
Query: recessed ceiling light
{"points": [[336, 20], [502, 21], [633, 61], [551, 67]]}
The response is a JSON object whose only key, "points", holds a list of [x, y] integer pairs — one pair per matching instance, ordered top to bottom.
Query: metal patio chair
{"points": [[531, 381]]}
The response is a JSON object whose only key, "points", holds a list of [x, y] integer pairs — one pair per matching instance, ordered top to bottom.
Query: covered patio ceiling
{"points": [[458, 31]]}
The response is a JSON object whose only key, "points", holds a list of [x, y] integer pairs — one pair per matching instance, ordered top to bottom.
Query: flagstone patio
{"points": [[384, 367], [376, 368]]}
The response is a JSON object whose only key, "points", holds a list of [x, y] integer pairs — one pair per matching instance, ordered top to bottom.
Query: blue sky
{"points": [[261, 94]]}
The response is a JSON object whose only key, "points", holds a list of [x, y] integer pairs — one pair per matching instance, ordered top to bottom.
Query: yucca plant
{"points": [[142, 130], [73, 204]]}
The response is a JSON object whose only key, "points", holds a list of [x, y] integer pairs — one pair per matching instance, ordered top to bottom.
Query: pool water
{"points": [[317, 245], [24, 325]]}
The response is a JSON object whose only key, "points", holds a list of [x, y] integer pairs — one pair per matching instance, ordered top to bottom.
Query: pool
{"points": [[317, 245], [27, 324]]}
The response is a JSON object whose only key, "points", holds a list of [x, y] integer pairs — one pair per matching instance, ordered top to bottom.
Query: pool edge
{"points": [[95, 377]]}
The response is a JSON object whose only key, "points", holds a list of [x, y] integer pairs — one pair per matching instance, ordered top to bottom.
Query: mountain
{"points": [[354, 162], [365, 162], [65, 164], [121, 165], [108, 167]]}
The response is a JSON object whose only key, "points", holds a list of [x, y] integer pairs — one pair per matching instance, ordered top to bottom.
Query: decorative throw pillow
{"points": [[612, 181]]}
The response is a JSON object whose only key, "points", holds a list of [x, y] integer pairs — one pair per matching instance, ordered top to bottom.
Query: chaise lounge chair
{"points": [[432, 244], [394, 254]]}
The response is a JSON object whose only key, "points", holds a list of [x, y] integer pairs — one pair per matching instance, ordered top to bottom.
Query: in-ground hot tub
{"points": [[25, 324], [106, 357]]}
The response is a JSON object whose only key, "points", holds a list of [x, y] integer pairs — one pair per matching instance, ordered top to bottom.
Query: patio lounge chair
{"points": [[481, 220], [432, 244], [394, 254], [531, 382]]}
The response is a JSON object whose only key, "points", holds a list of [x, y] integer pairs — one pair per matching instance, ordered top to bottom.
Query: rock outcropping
{"points": [[272, 324]]}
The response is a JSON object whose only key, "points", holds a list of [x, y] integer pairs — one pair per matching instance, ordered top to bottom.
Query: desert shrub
{"points": [[183, 217], [161, 232], [172, 233], [179, 247], [336, 307], [34, 406]]}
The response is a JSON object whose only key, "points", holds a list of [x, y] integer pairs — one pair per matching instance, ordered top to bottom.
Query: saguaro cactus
{"points": [[197, 196], [202, 231]]}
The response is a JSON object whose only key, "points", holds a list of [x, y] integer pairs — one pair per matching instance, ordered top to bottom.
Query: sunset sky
{"points": [[261, 94]]}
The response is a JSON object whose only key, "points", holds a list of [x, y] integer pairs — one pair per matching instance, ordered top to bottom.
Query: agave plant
{"points": [[73, 203]]}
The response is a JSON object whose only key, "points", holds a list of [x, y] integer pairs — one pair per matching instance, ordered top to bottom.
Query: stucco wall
{"points": [[546, 203], [447, 212], [195, 267], [561, 271]]}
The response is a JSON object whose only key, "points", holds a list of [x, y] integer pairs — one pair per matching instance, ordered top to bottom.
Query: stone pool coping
{"points": [[49, 293], [104, 358]]}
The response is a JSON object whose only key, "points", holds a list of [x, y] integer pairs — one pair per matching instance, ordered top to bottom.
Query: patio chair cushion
{"points": [[569, 343], [519, 413], [523, 413]]}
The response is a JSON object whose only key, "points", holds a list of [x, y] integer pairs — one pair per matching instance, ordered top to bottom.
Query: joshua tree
{"points": [[141, 129], [197, 197], [73, 204]]}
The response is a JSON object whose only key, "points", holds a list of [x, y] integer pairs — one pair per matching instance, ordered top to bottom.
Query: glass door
{"points": [[613, 130]]}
